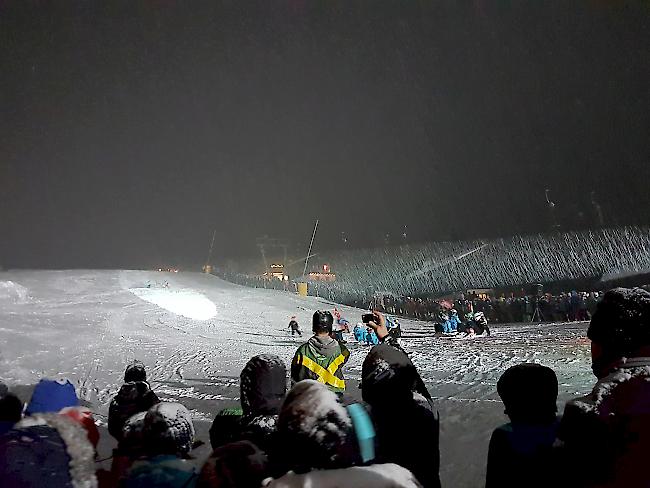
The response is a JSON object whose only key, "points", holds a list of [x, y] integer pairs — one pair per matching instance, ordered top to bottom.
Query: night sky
{"points": [[129, 130]]}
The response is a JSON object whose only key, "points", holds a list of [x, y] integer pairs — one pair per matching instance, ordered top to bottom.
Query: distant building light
{"points": [[317, 276]]}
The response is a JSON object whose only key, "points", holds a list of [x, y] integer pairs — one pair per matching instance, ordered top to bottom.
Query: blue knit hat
{"points": [[52, 396]]}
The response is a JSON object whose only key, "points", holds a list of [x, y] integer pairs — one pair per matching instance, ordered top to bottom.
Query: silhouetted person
{"points": [[295, 328], [263, 385], [134, 396], [405, 418], [605, 436], [520, 452]]}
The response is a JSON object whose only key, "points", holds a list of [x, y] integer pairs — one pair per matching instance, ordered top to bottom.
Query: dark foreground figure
{"points": [[605, 436], [521, 451]]}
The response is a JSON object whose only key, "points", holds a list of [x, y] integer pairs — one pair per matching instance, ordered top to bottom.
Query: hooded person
{"points": [[321, 358], [263, 385], [134, 396], [401, 407], [609, 429], [313, 430], [168, 437], [318, 444], [47, 449], [521, 451]]}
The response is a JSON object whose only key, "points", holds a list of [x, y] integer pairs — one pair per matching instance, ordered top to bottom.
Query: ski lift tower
{"points": [[267, 243]]}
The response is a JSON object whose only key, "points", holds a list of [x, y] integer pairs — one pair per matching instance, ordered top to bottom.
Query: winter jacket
{"points": [[454, 322], [359, 333], [371, 337], [321, 359], [389, 384], [263, 385], [133, 397], [226, 427], [605, 436], [47, 450], [521, 455], [236, 465], [163, 471], [374, 476]]}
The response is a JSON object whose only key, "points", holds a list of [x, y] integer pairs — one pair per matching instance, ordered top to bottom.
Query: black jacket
{"points": [[263, 385], [133, 397], [406, 421], [522, 455]]}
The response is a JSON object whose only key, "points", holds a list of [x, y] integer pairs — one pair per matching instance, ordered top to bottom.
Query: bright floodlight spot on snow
{"points": [[187, 303]]}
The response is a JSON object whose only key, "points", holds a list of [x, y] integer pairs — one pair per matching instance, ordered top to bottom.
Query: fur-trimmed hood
{"points": [[47, 450]]}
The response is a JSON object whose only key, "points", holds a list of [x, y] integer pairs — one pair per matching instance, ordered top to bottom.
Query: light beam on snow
{"points": [[187, 303]]}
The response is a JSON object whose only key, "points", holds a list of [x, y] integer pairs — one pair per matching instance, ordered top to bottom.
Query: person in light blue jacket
{"points": [[454, 321]]}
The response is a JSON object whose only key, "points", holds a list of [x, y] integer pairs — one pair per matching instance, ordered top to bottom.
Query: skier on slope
{"points": [[293, 325]]}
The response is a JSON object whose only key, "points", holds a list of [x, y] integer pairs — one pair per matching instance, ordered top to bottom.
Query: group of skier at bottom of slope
{"points": [[449, 325], [474, 325]]}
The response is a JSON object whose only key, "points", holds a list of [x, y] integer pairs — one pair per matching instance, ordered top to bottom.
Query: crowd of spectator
{"points": [[511, 307], [565, 307], [311, 436]]}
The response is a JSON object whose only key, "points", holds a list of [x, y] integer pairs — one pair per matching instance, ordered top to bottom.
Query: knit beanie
{"points": [[135, 372], [313, 427], [168, 429]]}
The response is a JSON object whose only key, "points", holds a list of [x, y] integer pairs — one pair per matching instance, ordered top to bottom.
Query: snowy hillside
{"points": [[195, 332]]}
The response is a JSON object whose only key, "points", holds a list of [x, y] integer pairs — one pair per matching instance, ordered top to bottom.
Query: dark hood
{"points": [[388, 375], [263, 384], [133, 391], [133, 397]]}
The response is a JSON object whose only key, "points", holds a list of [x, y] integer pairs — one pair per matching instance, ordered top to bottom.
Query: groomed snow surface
{"points": [[186, 303], [195, 332]]}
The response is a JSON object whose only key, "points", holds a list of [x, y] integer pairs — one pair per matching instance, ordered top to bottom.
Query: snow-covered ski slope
{"points": [[196, 334]]}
